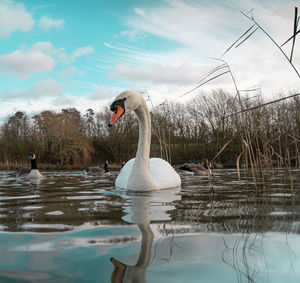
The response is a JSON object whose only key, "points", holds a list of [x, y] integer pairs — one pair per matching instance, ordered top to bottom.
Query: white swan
{"points": [[30, 173], [142, 173]]}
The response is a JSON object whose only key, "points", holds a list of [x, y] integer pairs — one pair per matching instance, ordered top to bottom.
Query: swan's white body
{"points": [[161, 172], [143, 173]]}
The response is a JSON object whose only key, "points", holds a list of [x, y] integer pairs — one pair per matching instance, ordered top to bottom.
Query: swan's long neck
{"points": [[143, 150], [140, 178], [146, 247], [137, 273]]}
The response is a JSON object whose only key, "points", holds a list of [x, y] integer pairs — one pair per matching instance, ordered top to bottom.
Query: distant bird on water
{"points": [[195, 168], [97, 171], [30, 173]]}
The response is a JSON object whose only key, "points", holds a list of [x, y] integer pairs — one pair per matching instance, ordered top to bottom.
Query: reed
{"points": [[257, 148]]}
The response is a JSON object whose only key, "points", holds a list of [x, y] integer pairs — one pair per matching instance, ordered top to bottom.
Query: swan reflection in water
{"points": [[141, 213]]}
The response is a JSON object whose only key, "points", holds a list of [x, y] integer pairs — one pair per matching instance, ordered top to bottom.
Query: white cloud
{"points": [[140, 12], [14, 16], [48, 23], [197, 24], [196, 31], [133, 35], [43, 46], [82, 51], [60, 53], [39, 57], [65, 58], [23, 63], [72, 71], [68, 72], [185, 74], [40, 89], [101, 93], [47, 95], [63, 101]]}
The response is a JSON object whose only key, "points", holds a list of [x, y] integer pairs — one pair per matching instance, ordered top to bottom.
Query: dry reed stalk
{"points": [[296, 19], [246, 32], [246, 37], [274, 42], [261, 105], [245, 134], [165, 147], [169, 148], [297, 149], [221, 150], [263, 152], [249, 154], [281, 159], [238, 167], [290, 171], [210, 176]]}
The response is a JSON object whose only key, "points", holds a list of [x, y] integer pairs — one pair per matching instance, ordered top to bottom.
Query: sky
{"points": [[82, 53]]}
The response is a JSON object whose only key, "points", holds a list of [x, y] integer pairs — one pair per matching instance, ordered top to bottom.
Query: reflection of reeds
{"points": [[162, 132], [167, 235], [246, 256]]}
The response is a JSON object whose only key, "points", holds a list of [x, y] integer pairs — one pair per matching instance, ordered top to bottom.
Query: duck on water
{"points": [[97, 171]]}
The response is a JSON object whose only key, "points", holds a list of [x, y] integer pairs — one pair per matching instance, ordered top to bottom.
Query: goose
{"points": [[194, 168], [97, 171], [30, 173], [141, 173]]}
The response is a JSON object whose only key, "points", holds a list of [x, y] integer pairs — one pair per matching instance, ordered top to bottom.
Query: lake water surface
{"points": [[73, 228]]}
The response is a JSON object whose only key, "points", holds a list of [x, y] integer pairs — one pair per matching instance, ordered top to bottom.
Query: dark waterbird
{"points": [[97, 171], [32, 172]]}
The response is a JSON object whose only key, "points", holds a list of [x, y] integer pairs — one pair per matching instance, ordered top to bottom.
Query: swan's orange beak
{"points": [[116, 115]]}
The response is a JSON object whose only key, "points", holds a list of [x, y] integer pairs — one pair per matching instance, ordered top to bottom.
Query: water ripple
{"points": [[66, 200]]}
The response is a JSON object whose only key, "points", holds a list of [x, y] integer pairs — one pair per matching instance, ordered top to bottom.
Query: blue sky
{"points": [[82, 53]]}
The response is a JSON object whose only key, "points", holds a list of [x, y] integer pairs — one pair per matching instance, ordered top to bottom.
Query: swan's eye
{"points": [[117, 103]]}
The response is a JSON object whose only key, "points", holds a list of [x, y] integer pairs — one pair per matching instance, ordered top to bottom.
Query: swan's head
{"points": [[126, 102], [31, 156]]}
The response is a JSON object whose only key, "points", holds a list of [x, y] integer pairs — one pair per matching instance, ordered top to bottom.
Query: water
{"points": [[73, 228]]}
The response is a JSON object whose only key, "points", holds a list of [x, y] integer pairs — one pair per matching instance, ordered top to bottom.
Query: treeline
{"points": [[195, 130]]}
